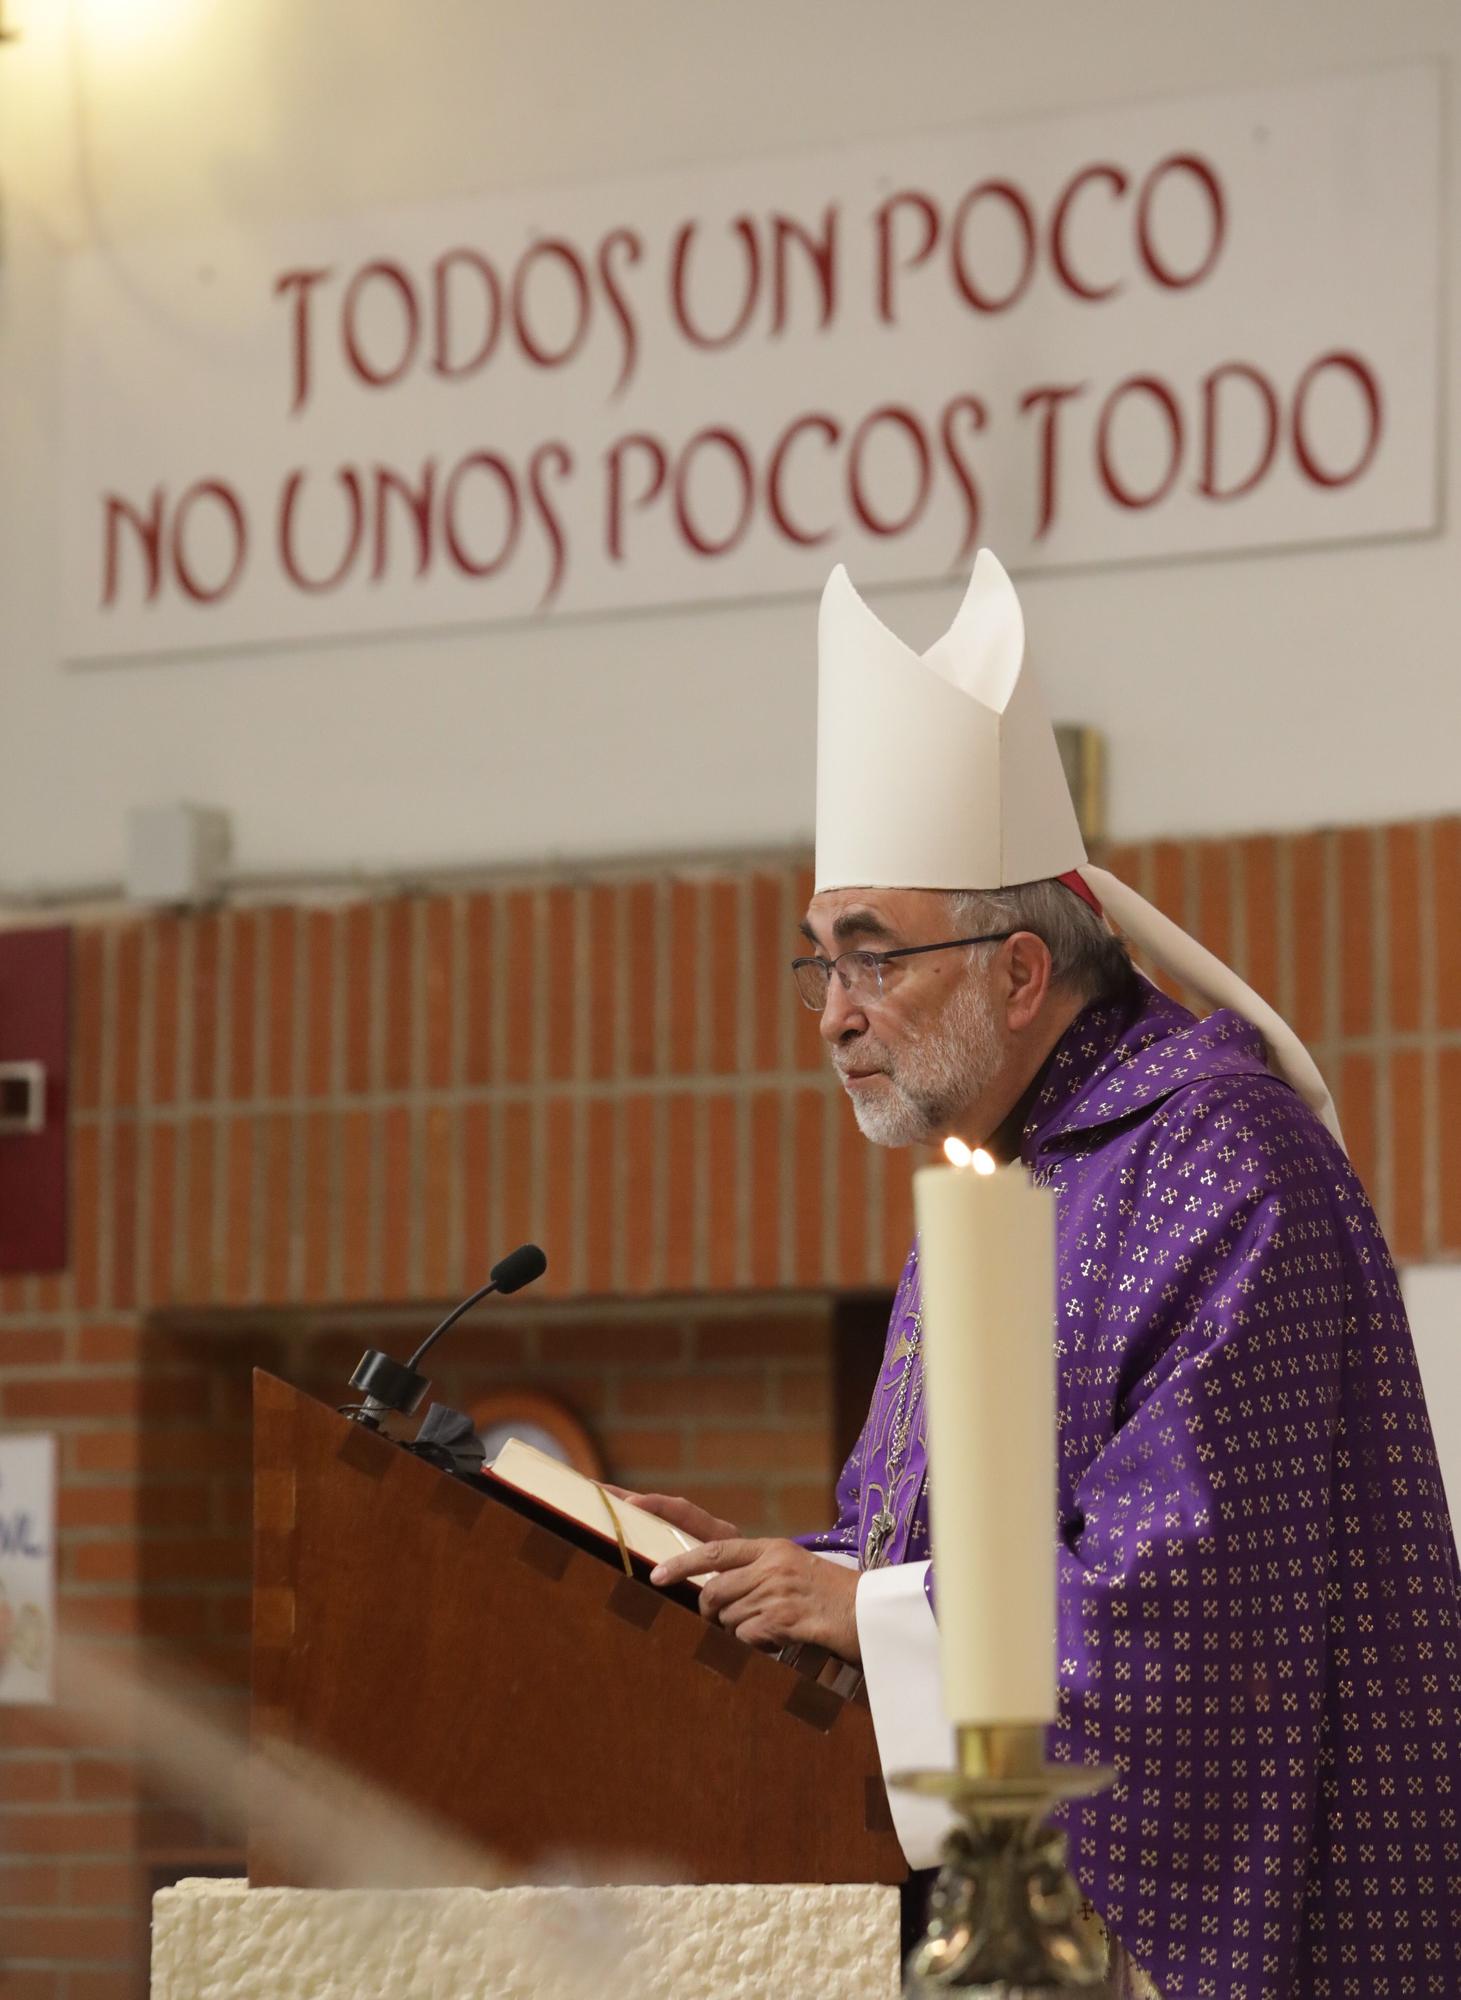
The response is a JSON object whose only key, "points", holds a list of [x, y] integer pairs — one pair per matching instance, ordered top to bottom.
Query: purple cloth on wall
{"points": [[1260, 1602]]}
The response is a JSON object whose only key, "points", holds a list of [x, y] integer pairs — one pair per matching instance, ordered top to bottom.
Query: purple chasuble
{"points": [[1260, 1602]]}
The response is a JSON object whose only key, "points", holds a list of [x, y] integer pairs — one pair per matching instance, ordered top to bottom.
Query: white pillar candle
{"points": [[987, 1264]]}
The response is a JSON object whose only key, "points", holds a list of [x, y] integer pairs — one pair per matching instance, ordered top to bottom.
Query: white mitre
{"points": [[942, 772]]}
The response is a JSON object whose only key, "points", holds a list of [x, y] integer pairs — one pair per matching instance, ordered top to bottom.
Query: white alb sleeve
{"points": [[898, 1636]]}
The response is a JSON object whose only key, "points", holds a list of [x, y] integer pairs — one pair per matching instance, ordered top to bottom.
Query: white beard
{"points": [[936, 1075]]}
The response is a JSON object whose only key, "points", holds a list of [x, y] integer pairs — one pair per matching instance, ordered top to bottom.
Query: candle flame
{"points": [[957, 1153], [983, 1163]]}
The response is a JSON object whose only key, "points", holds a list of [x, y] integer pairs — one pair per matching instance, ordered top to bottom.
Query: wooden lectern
{"points": [[458, 1643]]}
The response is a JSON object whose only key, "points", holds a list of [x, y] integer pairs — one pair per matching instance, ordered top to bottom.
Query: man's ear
{"points": [[1028, 964]]}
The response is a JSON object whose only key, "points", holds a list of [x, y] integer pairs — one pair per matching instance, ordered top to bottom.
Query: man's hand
{"points": [[772, 1593]]}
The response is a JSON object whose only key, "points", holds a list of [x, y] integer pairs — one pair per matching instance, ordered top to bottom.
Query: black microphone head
{"points": [[518, 1268]]}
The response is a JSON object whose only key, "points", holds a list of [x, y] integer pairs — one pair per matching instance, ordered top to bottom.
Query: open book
{"points": [[559, 1487]]}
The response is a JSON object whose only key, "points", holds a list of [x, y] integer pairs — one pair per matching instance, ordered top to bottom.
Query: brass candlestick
{"points": [[1006, 1917]]}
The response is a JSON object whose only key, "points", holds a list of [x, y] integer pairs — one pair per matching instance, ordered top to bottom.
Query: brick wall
{"points": [[1355, 936], [297, 1105], [292, 1126]]}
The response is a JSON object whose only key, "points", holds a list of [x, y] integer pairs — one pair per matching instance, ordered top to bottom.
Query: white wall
{"points": [[1317, 686]]}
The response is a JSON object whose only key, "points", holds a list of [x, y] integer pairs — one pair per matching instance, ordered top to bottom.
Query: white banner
{"points": [[1162, 329], [27, 1568]]}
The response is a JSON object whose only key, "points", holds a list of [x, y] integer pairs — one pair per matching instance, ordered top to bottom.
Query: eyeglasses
{"points": [[861, 972]]}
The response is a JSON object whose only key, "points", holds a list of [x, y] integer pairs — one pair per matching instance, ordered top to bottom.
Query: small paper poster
{"points": [[27, 1569]]}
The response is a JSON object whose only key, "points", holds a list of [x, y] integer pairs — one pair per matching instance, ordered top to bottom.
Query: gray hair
{"points": [[1086, 958]]}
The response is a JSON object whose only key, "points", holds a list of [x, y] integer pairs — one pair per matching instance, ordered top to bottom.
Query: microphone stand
{"points": [[394, 1388]]}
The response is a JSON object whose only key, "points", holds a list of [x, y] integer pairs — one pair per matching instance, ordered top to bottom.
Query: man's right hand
{"points": [[697, 1522]]}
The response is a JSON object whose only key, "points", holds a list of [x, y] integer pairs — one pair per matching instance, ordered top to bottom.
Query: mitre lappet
{"points": [[986, 805]]}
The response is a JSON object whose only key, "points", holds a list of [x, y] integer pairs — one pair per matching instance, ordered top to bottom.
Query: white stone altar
{"points": [[224, 1941]]}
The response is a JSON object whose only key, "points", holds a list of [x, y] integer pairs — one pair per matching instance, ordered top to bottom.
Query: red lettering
{"points": [[1207, 180], [1019, 208], [885, 223], [743, 229], [629, 241], [820, 253], [564, 255], [1065, 270], [301, 283], [400, 287], [442, 360], [1236, 371], [1360, 372], [1048, 400], [1166, 402], [974, 410], [906, 424], [561, 458], [740, 462], [659, 465], [349, 481], [418, 501], [776, 505], [236, 528], [148, 530], [461, 555]]}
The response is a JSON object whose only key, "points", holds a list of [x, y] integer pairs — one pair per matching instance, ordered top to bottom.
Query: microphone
{"points": [[518, 1268], [391, 1388]]}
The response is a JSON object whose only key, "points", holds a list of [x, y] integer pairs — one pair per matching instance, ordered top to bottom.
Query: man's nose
{"points": [[842, 1015]]}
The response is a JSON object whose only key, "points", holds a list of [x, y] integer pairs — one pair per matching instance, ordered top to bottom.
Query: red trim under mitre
{"points": [[1077, 882]]}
